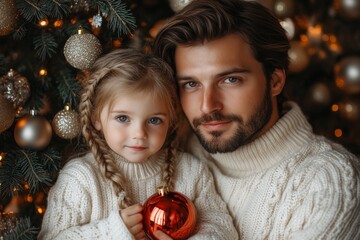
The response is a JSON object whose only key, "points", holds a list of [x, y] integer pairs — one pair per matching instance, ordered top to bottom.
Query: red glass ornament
{"points": [[171, 212]]}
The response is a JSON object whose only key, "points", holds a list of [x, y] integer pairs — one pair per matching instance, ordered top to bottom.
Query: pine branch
{"points": [[57, 9], [31, 10], [120, 19], [45, 45], [67, 86], [32, 170], [10, 176], [23, 231]]}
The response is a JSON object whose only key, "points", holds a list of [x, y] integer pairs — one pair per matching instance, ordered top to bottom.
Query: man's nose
{"points": [[211, 100]]}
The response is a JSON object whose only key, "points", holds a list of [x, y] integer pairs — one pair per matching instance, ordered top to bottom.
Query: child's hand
{"points": [[132, 218], [161, 235]]}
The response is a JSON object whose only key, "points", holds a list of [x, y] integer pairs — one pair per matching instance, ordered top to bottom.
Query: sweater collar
{"points": [[290, 133], [136, 171]]}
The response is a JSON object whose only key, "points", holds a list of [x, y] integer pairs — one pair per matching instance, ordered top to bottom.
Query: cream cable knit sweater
{"points": [[289, 184], [82, 205]]}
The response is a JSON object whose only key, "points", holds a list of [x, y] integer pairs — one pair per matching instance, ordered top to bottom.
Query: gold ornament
{"points": [[177, 5], [284, 8], [348, 9], [8, 16], [82, 49], [299, 58], [347, 74], [15, 88], [7, 114], [66, 123], [33, 131]]}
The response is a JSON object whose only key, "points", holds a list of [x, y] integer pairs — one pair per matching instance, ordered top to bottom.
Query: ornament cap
{"points": [[81, 30], [11, 73], [67, 107], [33, 112]]}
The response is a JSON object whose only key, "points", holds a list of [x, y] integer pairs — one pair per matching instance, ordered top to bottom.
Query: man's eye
{"points": [[231, 80], [190, 85], [123, 118], [155, 121]]}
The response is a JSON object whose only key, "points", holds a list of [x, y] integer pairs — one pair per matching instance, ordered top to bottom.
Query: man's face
{"points": [[224, 92]]}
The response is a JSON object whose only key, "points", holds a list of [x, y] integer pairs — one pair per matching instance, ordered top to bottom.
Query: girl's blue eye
{"points": [[123, 118], [155, 121]]}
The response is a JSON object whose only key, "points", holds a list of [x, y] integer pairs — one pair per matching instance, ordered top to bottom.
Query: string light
{"points": [[44, 22], [58, 23], [43, 72], [335, 107], [338, 132]]}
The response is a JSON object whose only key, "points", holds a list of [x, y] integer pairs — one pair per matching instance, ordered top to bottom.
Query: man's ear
{"points": [[278, 78]]}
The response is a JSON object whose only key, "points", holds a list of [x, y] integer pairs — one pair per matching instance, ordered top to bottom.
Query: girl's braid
{"points": [[97, 144], [168, 180]]}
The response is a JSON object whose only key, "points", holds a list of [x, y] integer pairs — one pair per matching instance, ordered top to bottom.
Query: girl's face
{"points": [[136, 126]]}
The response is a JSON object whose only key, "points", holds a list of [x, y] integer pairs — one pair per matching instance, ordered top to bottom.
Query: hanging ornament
{"points": [[177, 5], [79, 6], [284, 8], [349, 9], [8, 16], [96, 21], [289, 27], [82, 49], [299, 59], [347, 74], [15, 88], [318, 96], [350, 109], [7, 114], [66, 123], [33, 131], [171, 212], [8, 222]]}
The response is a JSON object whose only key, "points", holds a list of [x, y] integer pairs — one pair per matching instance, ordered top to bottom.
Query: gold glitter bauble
{"points": [[8, 16], [81, 50], [15, 88], [7, 114], [66, 123], [33, 131]]}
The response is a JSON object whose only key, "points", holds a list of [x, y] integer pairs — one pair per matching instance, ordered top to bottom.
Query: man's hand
{"points": [[132, 218]]}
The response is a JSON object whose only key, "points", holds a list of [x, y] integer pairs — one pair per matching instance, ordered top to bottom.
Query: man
{"points": [[280, 181]]}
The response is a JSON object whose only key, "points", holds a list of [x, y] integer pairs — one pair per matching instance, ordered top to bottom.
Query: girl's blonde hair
{"points": [[124, 71]]}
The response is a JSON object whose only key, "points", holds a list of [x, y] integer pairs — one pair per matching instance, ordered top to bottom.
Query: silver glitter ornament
{"points": [[8, 16], [82, 49], [15, 88], [7, 114], [66, 123], [33, 131]]}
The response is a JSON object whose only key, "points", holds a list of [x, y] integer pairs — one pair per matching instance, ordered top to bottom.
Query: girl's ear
{"points": [[278, 78], [97, 124]]}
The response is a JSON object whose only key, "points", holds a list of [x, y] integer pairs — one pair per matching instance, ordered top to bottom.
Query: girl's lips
{"points": [[137, 148]]}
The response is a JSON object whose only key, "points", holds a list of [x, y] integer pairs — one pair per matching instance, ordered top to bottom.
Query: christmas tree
{"points": [[47, 46]]}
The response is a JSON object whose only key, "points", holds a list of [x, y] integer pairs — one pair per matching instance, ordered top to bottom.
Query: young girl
{"points": [[128, 113]]}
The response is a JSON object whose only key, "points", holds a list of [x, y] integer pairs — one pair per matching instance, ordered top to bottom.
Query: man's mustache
{"points": [[215, 117]]}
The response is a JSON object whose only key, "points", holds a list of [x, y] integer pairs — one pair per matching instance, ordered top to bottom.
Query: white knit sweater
{"points": [[289, 184], [82, 203]]}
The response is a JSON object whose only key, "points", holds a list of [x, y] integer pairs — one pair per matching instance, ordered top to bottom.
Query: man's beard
{"points": [[243, 133]]}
